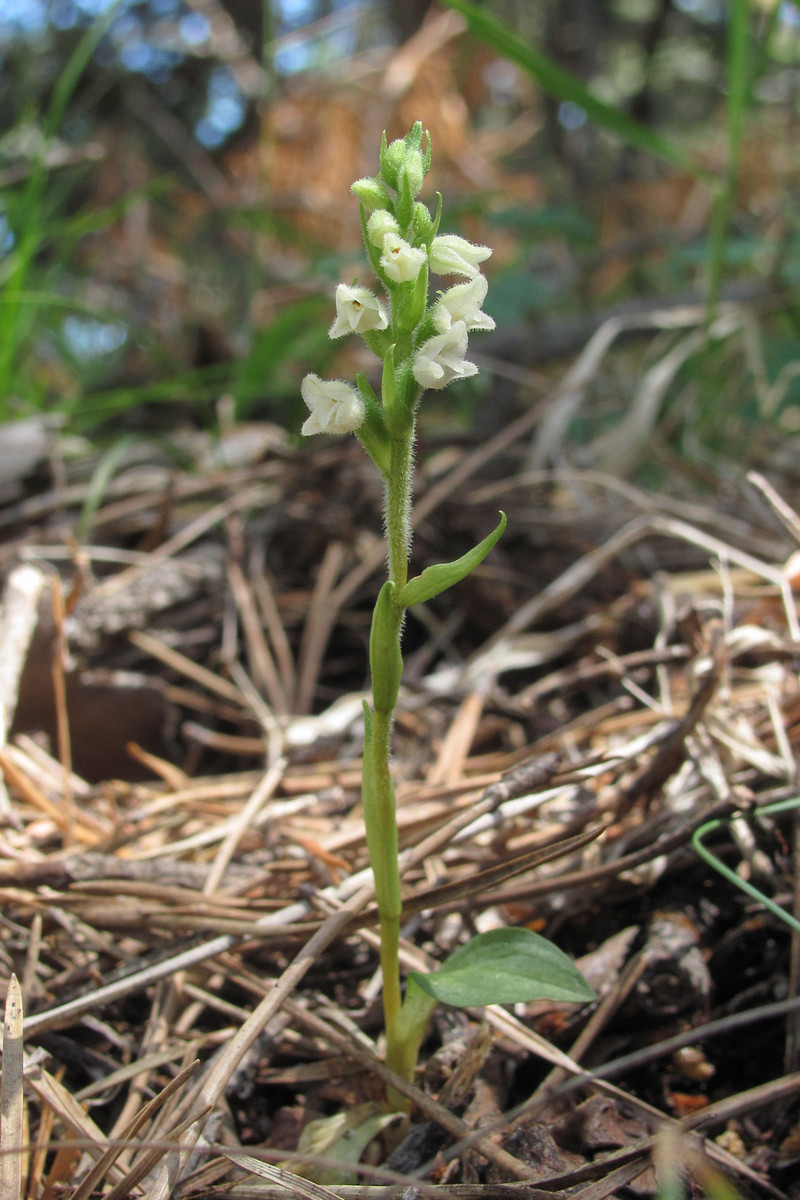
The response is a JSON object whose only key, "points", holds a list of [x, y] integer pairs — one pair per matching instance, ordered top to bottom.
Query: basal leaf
{"points": [[440, 577], [506, 966], [342, 1138]]}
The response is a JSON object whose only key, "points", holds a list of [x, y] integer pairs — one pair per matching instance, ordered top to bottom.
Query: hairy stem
{"points": [[397, 515]]}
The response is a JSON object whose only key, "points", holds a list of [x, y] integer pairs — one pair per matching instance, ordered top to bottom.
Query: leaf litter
{"points": [[187, 902]]}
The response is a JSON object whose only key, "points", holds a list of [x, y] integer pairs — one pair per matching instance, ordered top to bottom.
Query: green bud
{"points": [[413, 138], [413, 141], [392, 160], [413, 168], [373, 193], [404, 205], [379, 224], [385, 657]]}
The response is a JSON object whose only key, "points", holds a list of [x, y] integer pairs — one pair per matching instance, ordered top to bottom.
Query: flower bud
{"points": [[392, 157], [413, 168], [373, 193], [379, 224]]}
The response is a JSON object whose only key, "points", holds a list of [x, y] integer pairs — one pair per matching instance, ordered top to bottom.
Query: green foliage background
{"points": [[230, 296]]}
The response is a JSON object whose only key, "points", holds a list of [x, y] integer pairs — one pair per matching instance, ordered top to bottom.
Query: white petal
{"points": [[453, 255], [401, 261], [463, 303], [357, 311], [441, 359], [335, 406]]}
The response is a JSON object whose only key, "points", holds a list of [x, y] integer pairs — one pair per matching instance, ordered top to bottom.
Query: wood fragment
{"points": [[19, 612], [13, 1157]]}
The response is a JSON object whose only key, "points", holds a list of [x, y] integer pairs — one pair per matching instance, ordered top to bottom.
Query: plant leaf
{"points": [[438, 578], [385, 656], [505, 966]]}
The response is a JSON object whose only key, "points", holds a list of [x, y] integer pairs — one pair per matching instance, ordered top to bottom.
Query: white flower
{"points": [[379, 224], [454, 255], [401, 261], [463, 303], [357, 310], [440, 360], [335, 406]]}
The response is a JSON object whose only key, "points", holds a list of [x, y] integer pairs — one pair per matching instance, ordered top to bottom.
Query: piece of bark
{"points": [[19, 614]]}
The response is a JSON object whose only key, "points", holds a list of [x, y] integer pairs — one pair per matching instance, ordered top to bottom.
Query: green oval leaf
{"points": [[440, 577], [505, 966]]}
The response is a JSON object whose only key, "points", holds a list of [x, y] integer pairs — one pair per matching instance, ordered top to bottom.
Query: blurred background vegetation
{"points": [[175, 212]]}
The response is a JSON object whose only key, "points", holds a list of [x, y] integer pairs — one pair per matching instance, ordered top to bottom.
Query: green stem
{"points": [[398, 512], [378, 791], [383, 850]]}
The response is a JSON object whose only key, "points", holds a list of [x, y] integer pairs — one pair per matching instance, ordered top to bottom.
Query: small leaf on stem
{"points": [[438, 578]]}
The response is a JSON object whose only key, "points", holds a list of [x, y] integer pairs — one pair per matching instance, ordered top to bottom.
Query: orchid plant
{"points": [[422, 344]]}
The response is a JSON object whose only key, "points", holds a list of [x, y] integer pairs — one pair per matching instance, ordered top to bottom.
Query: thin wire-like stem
{"points": [[742, 884]]}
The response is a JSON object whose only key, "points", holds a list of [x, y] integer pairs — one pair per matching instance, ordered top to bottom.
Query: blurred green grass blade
{"points": [[76, 65], [740, 82], [560, 83], [17, 319], [297, 334], [196, 387], [103, 473]]}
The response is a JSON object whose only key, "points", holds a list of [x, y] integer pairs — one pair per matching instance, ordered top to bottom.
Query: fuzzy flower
{"points": [[453, 255], [401, 261], [463, 303], [357, 311], [441, 359], [335, 406]]}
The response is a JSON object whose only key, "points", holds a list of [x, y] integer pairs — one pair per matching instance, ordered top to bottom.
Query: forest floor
{"points": [[183, 870]]}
